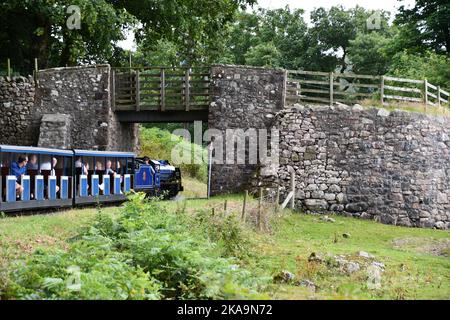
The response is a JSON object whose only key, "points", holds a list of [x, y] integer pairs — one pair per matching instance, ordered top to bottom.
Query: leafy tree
{"points": [[426, 25], [197, 28], [284, 29], [287, 30], [333, 30], [42, 32], [242, 35], [164, 53], [368, 53], [264, 55], [429, 65]]}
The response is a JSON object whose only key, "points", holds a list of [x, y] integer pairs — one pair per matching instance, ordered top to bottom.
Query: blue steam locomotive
{"points": [[38, 178]]}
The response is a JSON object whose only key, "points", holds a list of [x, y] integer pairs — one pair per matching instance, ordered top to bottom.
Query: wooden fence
{"points": [[324, 87], [161, 89]]}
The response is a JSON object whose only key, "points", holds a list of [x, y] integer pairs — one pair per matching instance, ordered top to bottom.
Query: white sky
{"points": [[308, 6]]}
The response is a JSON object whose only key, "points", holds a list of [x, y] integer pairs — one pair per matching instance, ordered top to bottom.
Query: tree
{"points": [[427, 25], [197, 28], [285, 29], [333, 30], [42, 32], [242, 35], [368, 54], [264, 55], [428, 65]]}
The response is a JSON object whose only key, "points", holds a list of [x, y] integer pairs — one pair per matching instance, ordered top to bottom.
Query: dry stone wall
{"points": [[243, 98], [16, 105], [68, 108], [371, 163]]}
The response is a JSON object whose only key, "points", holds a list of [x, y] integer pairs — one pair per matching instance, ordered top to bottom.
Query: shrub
{"points": [[226, 230], [145, 252]]}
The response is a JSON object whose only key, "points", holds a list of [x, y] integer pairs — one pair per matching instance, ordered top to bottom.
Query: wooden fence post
{"points": [[8, 66], [36, 69], [331, 88], [163, 89], [113, 90], [186, 90], [382, 90], [138, 91], [425, 93], [438, 93], [293, 190], [277, 200], [244, 205], [225, 206], [260, 208]]}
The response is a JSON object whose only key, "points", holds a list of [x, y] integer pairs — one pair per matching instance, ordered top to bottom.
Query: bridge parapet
{"points": [[161, 89]]}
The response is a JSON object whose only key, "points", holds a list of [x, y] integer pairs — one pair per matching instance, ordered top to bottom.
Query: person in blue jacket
{"points": [[19, 169]]}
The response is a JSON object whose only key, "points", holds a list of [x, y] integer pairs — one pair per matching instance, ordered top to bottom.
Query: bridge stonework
{"points": [[80, 93], [243, 97], [366, 162]]}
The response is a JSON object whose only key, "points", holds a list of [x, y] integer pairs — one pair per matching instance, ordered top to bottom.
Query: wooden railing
{"points": [[324, 87], [160, 89]]}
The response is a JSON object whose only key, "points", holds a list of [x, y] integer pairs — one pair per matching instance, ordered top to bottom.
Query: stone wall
{"points": [[81, 94], [243, 97], [16, 105], [54, 131], [371, 163]]}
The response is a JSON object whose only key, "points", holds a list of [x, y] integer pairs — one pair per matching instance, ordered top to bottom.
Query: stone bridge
{"points": [[390, 166]]}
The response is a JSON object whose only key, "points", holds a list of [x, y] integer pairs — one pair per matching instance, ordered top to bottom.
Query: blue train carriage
{"points": [[102, 176], [147, 177], [35, 178]]}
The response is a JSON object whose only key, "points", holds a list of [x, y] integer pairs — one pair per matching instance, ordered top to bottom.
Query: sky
{"points": [[308, 6]]}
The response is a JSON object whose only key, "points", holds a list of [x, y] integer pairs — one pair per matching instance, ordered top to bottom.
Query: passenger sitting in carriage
{"points": [[33, 163], [47, 166], [19, 169]]}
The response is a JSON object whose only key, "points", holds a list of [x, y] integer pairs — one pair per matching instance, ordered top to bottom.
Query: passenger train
{"points": [[66, 178]]}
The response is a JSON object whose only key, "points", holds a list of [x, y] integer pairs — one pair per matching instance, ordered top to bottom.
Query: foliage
{"points": [[425, 26], [195, 27], [334, 29], [42, 32], [281, 37], [264, 55], [368, 55], [429, 65], [158, 144], [226, 230], [145, 252]]}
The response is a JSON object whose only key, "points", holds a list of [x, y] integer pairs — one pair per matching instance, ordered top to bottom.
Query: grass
{"points": [[444, 110], [194, 188], [413, 268]]}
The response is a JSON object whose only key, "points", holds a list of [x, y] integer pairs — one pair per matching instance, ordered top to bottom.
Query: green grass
{"points": [[443, 111], [194, 188], [413, 270]]}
